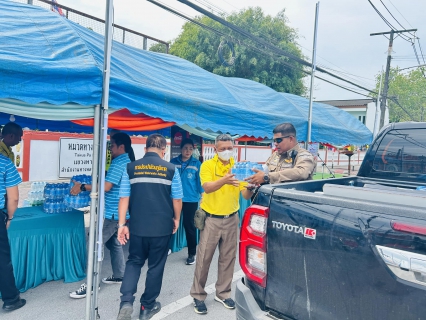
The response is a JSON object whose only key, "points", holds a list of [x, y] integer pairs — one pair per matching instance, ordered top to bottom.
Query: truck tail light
{"points": [[410, 228], [253, 244]]}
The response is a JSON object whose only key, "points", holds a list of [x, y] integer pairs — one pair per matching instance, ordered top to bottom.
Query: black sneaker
{"points": [[190, 260], [112, 280], [81, 292], [228, 303], [14, 306], [200, 306], [125, 312], [146, 314]]}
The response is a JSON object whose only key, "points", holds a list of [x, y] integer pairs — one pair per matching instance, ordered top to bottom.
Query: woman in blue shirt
{"points": [[189, 169]]}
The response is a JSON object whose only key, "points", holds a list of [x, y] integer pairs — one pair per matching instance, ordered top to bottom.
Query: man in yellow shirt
{"points": [[11, 136], [221, 204]]}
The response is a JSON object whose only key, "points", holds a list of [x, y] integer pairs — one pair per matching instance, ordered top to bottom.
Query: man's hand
{"points": [[229, 178], [257, 178], [75, 190], [7, 224], [175, 225], [123, 235]]}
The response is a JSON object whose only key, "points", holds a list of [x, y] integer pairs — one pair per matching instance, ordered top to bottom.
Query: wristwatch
{"points": [[266, 178], [83, 187]]}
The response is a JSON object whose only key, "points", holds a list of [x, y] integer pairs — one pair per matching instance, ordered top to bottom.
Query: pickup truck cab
{"points": [[345, 248]]}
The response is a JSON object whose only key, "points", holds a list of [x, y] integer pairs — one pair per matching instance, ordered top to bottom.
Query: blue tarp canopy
{"points": [[53, 67]]}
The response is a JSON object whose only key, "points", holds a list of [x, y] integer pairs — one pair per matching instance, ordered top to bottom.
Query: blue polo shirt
{"points": [[114, 175], [9, 177], [177, 191]]}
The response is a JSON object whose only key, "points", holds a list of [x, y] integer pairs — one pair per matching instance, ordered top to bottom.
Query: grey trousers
{"points": [[222, 233], [109, 237]]}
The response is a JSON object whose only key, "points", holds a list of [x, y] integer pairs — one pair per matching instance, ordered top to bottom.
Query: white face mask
{"points": [[225, 155]]}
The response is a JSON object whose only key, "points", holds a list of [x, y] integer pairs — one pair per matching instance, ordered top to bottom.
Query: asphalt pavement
{"points": [[51, 301]]}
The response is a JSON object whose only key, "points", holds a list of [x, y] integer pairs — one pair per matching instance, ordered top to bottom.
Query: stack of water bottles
{"points": [[243, 170], [54, 194], [35, 196], [83, 198]]}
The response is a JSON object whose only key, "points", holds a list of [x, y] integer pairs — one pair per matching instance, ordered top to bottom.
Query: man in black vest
{"points": [[152, 191]]}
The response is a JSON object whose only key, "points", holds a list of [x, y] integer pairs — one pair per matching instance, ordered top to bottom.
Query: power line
{"points": [[175, 12], [400, 13], [393, 16], [387, 22], [271, 39], [266, 44], [421, 51]]}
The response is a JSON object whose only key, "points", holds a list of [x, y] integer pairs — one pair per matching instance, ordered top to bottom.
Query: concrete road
{"points": [[51, 300]]}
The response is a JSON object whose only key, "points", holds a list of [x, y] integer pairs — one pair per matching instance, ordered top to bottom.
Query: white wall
{"points": [[371, 115], [256, 154], [44, 160]]}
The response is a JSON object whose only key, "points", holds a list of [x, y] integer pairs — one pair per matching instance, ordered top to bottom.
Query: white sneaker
{"points": [[170, 251]]}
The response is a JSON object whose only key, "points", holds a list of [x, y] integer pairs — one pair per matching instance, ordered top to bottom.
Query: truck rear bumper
{"points": [[246, 306]]}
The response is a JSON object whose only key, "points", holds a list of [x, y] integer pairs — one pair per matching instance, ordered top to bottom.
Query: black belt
{"points": [[218, 216]]}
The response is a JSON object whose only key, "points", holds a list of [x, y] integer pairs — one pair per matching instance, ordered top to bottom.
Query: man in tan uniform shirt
{"points": [[289, 162]]}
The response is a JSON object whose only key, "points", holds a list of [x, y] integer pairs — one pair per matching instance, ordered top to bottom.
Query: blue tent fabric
{"points": [[47, 58]]}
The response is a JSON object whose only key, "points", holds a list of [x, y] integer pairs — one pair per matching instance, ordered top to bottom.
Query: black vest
{"points": [[151, 205]]}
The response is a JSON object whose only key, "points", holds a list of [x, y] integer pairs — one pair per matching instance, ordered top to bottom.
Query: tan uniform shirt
{"points": [[282, 169]]}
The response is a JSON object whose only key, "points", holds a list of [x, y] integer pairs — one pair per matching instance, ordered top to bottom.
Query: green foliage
{"points": [[200, 46], [158, 47], [410, 90]]}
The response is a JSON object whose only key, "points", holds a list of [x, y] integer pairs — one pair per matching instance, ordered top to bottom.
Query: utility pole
{"points": [[386, 85]]}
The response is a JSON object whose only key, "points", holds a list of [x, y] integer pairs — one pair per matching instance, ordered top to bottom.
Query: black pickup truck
{"points": [[345, 248]]}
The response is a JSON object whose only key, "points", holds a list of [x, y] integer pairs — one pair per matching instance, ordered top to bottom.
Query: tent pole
{"points": [[314, 58], [93, 202], [99, 248], [92, 311]]}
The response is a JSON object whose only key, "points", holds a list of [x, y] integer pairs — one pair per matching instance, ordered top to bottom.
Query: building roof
{"points": [[348, 103]]}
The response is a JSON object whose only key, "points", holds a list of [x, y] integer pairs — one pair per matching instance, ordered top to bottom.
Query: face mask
{"points": [[225, 155]]}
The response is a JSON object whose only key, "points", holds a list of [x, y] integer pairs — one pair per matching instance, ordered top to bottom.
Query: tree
{"points": [[200, 46], [158, 47], [406, 95]]}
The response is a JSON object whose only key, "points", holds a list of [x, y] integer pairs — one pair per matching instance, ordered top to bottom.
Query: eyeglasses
{"points": [[280, 139]]}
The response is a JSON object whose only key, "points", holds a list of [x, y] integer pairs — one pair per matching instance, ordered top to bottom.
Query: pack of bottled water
{"points": [[243, 170], [35, 195], [54, 195], [83, 198]]}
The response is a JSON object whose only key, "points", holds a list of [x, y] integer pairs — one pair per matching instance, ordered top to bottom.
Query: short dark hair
{"points": [[11, 128], [285, 129], [113, 131], [223, 137], [121, 138], [156, 140], [186, 141]]}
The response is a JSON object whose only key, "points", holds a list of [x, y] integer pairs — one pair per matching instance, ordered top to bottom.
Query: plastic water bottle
{"points": [[247, 170]]}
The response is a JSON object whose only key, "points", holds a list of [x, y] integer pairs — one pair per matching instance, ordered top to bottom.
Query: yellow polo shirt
{"points": [[226, 200]]}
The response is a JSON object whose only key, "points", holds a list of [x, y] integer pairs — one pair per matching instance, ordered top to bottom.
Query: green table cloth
{"points": [[178, 240], [47, 247]]}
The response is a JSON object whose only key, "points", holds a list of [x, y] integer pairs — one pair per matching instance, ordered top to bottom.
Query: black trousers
{"points": [[188, 211], [142, 248], [9, 292]]}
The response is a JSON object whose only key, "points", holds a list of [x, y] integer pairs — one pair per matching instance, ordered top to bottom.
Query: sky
{"points": [[344, 43]]}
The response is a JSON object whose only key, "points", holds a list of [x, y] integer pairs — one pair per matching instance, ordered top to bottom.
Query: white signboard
{"points": [[75, 157]]}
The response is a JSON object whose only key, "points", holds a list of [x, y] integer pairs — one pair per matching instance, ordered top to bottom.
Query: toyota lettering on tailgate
{"points": [[307, 232]]}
